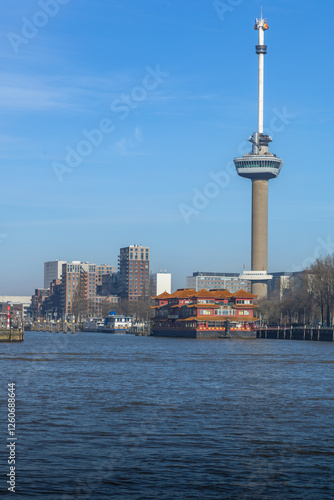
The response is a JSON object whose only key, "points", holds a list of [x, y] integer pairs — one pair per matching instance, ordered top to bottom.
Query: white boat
{"points": [[117, 323], [93, 325]]}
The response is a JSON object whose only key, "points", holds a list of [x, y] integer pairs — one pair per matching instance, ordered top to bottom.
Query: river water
{"points": [[102, 416]]}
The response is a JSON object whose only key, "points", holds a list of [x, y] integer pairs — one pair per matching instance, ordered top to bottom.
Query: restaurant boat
{"points": [[204, 314]]}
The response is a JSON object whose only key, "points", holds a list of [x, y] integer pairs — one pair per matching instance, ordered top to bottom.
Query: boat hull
{"points": [[192, 333]]}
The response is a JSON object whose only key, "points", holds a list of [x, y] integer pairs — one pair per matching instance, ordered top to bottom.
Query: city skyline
{"points": [[154, 123]]}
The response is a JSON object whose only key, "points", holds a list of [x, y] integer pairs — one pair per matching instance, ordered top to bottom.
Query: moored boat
{"points": [[205, 314], [93, 325]]}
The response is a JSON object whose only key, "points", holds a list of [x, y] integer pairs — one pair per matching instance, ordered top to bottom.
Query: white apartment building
{"points": [[162, 282]]}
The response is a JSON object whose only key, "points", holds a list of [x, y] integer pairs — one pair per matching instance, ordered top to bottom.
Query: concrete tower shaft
{"points": [[259, 225], [259, 233]]}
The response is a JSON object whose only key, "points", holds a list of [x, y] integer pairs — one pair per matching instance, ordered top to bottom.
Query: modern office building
{"points": [[260, 166], [134, 267], [52, 271], [218, 281], [162, 283]]}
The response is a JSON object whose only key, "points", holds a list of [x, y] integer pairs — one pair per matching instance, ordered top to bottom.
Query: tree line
{"points": [[308, 300]]}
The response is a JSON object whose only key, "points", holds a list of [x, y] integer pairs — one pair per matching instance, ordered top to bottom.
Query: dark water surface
{"points": [[124, 417]]}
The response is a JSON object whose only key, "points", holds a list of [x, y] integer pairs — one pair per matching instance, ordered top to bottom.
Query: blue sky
{"points": [[173, 86]]}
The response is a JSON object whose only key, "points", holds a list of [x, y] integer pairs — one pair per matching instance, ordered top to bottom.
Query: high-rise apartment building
{"points": [[134, 263], [52, 271], [79, 282]]}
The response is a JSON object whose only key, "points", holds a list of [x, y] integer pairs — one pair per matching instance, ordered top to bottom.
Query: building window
{"points": [[225, 312]]}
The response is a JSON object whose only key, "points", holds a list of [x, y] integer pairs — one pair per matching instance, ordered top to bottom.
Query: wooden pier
{"points": [[59, 326], [296, 333]]}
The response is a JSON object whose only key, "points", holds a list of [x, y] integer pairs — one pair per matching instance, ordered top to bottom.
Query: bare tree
{"points": [[321, 286], [80, 305]]}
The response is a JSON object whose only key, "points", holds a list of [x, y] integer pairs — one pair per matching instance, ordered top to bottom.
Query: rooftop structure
{"points": [[260, 166]]}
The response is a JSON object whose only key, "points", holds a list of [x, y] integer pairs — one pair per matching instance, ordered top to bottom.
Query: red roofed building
{"points": [[206, 314]]}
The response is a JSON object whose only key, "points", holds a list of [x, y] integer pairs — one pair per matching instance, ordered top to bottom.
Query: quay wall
{"points": [[46, 326], [11, 335]]}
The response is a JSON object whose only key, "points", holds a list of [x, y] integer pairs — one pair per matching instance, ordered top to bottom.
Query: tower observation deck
{"points": [[260, 166]]}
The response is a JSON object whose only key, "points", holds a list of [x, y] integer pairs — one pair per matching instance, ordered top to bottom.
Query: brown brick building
{"points": [[134, 263], [79, 288]]}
